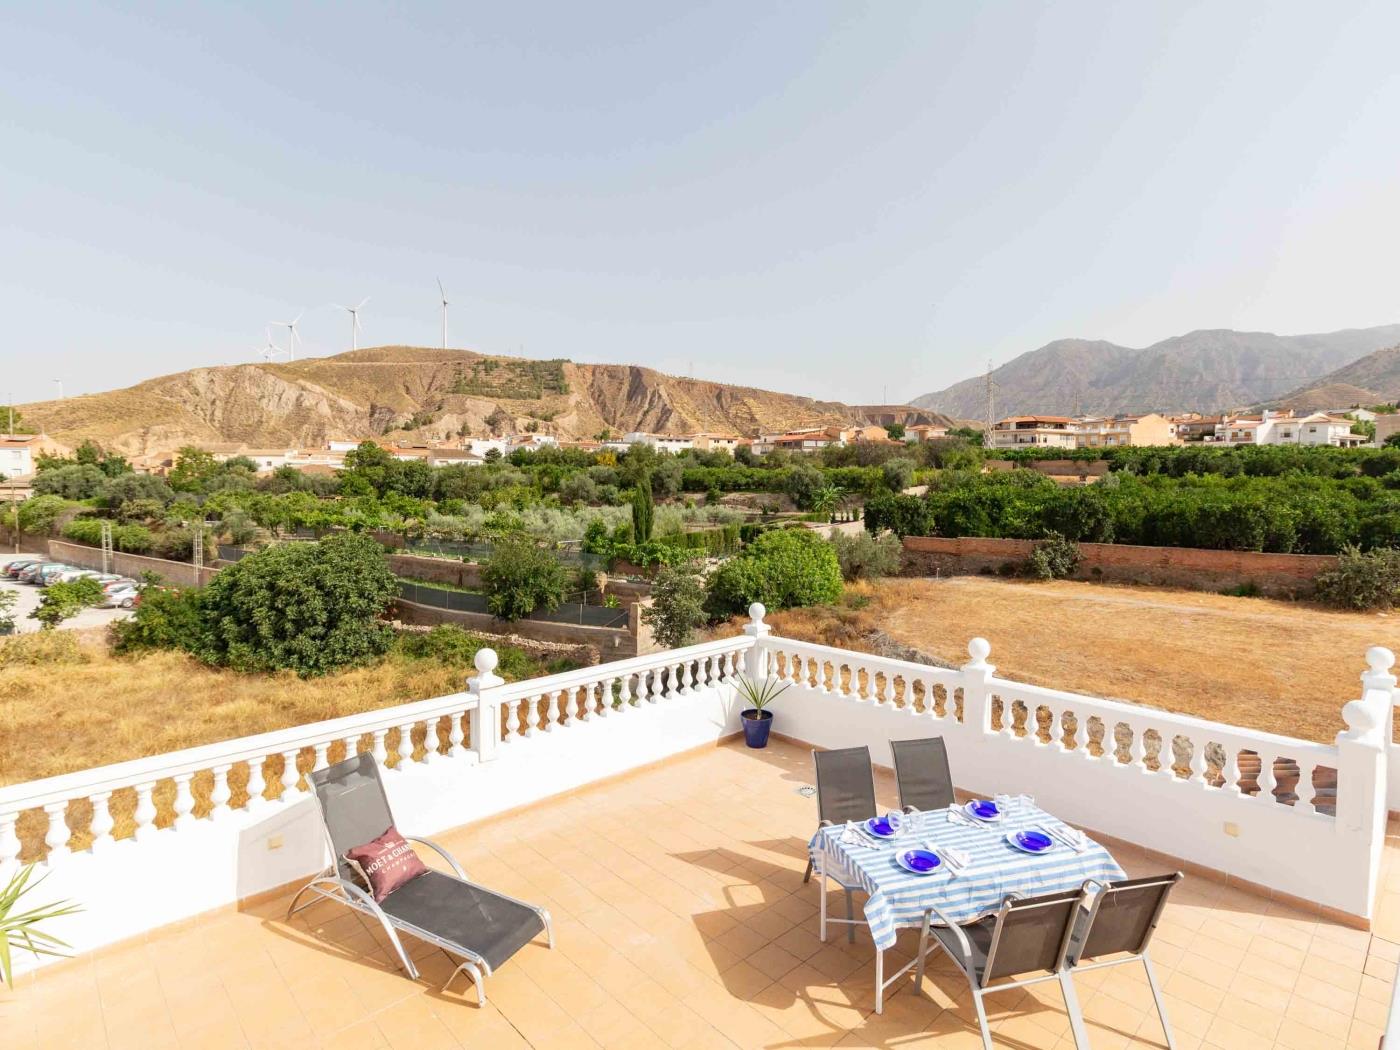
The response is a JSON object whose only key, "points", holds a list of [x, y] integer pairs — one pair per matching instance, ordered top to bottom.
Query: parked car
{"points": [[13, 568], [31, 573], [51, 573], [69, 575], [120, 596]]}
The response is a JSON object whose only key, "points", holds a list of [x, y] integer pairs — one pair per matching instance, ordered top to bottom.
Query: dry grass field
{"points": [[1285, 667], [73, 705]]}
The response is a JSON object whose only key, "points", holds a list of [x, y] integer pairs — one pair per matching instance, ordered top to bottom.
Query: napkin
{"points": [[1071, 837], [958, 858]]}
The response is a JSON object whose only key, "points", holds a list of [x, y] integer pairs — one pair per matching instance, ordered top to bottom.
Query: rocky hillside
{"points": [[1204, 370], [1370, 380], [412, 393]]}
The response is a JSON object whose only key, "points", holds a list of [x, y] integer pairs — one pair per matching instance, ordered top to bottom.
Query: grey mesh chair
{"points": [[921, 770], [845, 791], [482, 927], [1118, 927], [1028, 935]]}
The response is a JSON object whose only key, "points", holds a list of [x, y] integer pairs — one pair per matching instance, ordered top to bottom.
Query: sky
{"points": [[862, 202]]}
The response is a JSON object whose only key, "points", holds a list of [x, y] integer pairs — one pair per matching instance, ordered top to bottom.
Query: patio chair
{"points": [[921, 770], [845, 791], [1121, 919], [465, 920], [1028, 935]]}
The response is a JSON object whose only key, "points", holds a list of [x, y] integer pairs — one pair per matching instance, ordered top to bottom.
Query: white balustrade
{"points": [[257, 782], [220, 793], [184, 800], [145, 813], [102, 822], [57, 835]]}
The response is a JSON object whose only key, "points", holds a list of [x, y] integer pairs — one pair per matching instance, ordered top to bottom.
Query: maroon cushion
{"points": [[386, 863]]}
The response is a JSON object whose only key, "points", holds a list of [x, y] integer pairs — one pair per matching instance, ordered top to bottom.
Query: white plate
{"points": [[971, 812]]}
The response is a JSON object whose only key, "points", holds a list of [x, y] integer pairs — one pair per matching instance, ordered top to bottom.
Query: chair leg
{"points": [[807, 877], [822, 905], [850, 917], [923, 954], [474, 972], [1157, 998], [1076, 1014], [981, 1017]]}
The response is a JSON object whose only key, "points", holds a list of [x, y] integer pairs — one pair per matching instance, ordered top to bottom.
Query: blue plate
{"points": [[984, 809], [881, 827], [1030, 840], [918, 861]]}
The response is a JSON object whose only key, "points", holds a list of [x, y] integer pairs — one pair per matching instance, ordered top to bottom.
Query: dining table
{"points": [[979, 868]]}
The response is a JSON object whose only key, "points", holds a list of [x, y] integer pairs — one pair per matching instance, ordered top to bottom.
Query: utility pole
{"points": [[60, 388], [991, 404], [12, 412], [106, 546]]}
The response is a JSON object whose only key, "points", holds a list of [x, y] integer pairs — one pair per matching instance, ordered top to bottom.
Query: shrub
{"points": [[898, 474], [76, 481], [803, 483], [126, 488], [578, 488], [39, 514], [902, 515], [863, 556], [1053, 558], [781, 569], [520, 577], [1362, 580], [8, 600], [62, 601], [306, 607], [677, 607], [165, 618], [449, 644], [42, 649]]}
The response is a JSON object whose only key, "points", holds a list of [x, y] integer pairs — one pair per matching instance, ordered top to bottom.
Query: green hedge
{"points": [[133, 539]]}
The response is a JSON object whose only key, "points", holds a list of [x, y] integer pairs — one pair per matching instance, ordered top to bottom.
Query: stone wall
{"points": [[435, 570], [176, 573], [1277, 575], [611, 643]]}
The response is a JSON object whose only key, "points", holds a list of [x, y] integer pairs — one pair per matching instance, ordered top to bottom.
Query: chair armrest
{"points": [[451, 860], [963, 943]]}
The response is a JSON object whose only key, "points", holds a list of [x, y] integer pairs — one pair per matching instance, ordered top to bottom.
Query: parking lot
{"points": [[29, 600]]}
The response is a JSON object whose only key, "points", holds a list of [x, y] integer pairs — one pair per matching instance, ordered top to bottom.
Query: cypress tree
{"points": [[642, 510]]}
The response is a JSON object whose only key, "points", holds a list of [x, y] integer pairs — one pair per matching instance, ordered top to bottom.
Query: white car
{"points": [[69, 575], [120, 596]]}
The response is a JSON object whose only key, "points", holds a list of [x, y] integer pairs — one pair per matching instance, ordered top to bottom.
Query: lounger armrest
{"points": [[451, 860], [963, 943]]}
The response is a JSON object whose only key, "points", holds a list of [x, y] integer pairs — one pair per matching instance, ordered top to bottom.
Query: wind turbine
{"points": [[443, 293], [355, 326], [291, 327], [269, 350]]}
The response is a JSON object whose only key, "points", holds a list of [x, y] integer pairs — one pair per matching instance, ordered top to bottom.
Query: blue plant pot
{"points": [[757, 725]]}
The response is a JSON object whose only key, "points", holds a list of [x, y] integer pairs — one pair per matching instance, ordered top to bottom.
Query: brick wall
{"points": [[435, 570], [1279, 575], [611, 643]]}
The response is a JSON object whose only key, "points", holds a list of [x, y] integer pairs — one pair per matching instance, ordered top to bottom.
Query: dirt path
{"points": [[1281, 666]]}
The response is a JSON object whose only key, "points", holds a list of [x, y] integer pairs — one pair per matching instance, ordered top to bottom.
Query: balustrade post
{"points": [[756, 657], [977, 676], [485, 717], [455, 735], [1362, 751], [257, 782], [220, 793], [184, 801], [145, 815], [102, 822], [57, 833]]}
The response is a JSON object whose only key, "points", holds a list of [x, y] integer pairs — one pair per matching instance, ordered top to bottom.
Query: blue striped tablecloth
{"points": [[898, 899]]}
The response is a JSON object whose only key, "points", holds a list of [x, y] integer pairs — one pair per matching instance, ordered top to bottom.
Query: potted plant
{"points": [[757, 719], [17, 928]]}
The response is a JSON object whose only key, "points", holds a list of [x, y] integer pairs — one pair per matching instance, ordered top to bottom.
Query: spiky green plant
{"points": [[760, 694], [20, 927]]}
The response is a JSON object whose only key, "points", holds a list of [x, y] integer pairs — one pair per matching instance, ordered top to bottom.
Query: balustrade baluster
{"points": [[682, 677], [644, 688], [625, 691], [888, 694], [577, 696], [532, 715], [552, 716], [512, 721], [456, 733], [405, 747], [1137, 747], [379, 748], [321, 758], [1198, 762], [1232, 769], [290, 776], [1267, 780], [257, 782], [1305, 790], [220, 793], [184, 800], [145, 815], [102, 822], [57, 834], [9, 839]]}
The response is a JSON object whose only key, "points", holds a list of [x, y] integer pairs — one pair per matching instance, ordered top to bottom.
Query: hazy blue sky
{"points": [[825, 198]]}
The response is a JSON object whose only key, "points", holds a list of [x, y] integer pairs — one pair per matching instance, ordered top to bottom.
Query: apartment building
{"points": [[1043, 431], [1120, 431], [921, 432], [660, 442], [718, 442], [17, 452]]}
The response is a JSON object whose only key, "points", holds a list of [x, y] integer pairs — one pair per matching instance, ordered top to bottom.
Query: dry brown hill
{"points": [[1366, 381], [417, 393]]}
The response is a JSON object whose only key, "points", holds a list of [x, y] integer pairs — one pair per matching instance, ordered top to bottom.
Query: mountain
{"points": [[1205, 370], [1367, 381], [411, 393]]}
